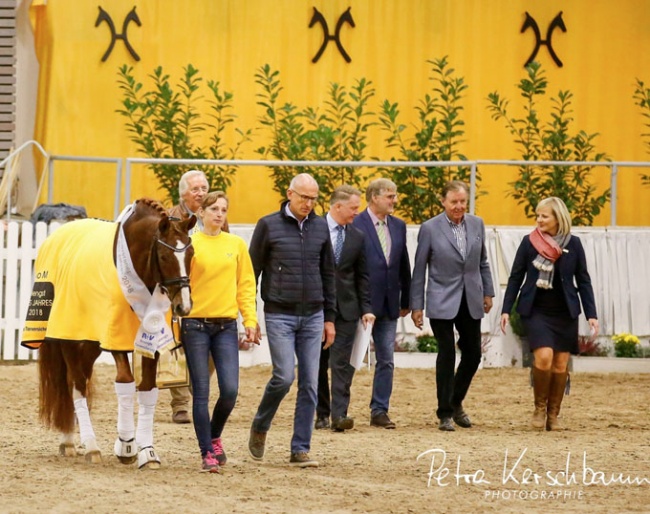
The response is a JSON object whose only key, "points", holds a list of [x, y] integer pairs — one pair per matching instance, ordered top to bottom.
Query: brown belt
{"points": [[214, 321]]}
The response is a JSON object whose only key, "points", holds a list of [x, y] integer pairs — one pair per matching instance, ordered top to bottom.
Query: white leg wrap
{"points": [[147, 407], [125, 417], [86, 432], [67, 439], [66, 447]]}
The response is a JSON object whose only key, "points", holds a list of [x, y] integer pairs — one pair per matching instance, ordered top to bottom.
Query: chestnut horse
{"points": [[79, 307]]}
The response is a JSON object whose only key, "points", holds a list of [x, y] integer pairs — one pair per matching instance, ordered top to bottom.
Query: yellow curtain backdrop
{"points": [[604, 50]]}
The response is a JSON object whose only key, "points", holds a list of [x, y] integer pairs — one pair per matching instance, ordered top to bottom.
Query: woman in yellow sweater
{"points": [[223, 285]]}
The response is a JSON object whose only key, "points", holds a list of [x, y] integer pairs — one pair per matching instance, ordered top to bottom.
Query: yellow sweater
{"points": [[222, 278]]}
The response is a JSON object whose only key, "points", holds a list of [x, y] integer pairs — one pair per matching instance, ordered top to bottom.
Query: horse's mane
{"points": [[151, 205]]}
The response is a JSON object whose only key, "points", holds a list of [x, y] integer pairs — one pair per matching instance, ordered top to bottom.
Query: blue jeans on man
{"points": [[383, 335], [292, 337], [218, 341]]}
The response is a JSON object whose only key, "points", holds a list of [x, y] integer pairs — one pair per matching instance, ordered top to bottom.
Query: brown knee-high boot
{"points": [[541, 385], [555, 395]]}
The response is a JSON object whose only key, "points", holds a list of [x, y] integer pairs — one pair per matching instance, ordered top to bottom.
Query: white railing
{"points": [[613, 167], [120, 201], [19, 243], [615, 258]]}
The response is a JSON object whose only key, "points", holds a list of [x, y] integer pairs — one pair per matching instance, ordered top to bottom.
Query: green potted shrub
{"points": [[166, 121], [437, 135], [545, 136], [426, 343], [626, 345], [589, 347], [420, 352]]}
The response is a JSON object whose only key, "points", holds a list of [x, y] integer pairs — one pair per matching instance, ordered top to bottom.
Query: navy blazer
{"points": [[571, 264], [390, 283]]}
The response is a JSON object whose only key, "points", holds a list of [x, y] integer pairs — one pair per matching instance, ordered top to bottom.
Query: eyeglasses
{"points": [[196, 190], [305, 198]]}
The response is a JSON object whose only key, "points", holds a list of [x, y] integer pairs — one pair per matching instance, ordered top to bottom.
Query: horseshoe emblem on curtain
{"points": [[131, 17], [346, 17], [530, 22]]}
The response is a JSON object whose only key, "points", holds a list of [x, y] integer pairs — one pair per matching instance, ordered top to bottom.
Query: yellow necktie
{"points": [[381, 234]]}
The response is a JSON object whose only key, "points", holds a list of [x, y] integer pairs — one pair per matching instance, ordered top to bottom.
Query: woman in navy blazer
{"points": [[555, 269]]}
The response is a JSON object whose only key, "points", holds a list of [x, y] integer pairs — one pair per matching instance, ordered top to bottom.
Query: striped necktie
{"points": [[381, 234]]}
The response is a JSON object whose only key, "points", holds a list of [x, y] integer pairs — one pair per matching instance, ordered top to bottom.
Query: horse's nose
{"points": [[183, 309]]}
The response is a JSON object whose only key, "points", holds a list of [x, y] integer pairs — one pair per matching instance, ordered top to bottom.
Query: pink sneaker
{"points": [[219, 452], [210, 464]]}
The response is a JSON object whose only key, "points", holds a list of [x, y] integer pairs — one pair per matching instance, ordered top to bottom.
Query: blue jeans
{"points": [[289, 335], [383, 335], [219, 341]]}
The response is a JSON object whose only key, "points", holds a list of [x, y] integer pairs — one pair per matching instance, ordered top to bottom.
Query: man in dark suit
{"points": [[390, 282], [459, 292], [352, 303]]}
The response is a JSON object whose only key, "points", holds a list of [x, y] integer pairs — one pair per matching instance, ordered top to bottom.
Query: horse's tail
{"points": [[56, 408]]}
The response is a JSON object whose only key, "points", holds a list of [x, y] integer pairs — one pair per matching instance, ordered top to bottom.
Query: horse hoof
{"points": [[67, 450], [126, 451], [93, 457], [148, 458], [150, 465]]}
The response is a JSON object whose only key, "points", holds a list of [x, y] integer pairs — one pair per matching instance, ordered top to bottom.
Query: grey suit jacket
{"points": [[448, 274]]}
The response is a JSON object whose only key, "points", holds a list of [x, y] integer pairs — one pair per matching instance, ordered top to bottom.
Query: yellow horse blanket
{"points": [[76, 294]]}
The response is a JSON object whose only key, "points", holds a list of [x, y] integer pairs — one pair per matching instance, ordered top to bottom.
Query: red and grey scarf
{"points": [[549, 249]]}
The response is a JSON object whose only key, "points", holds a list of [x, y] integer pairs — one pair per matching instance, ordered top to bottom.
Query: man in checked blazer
{"points": [[390, 281], [459, 293], [352, 304]]}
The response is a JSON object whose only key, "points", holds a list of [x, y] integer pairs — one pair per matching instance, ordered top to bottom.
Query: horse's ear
{"points": [[191, 222], [163, 225]]}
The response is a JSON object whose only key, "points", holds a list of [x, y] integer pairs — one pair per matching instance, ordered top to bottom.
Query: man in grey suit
{"points": [[459, 292]]}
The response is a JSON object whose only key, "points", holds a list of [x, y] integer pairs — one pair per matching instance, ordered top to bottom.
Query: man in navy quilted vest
{"points": [[292, 251]]}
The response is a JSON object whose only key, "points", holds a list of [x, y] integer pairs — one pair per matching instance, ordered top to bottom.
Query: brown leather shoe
{"points": [[181, 417], [382, 421], [341, 424], [257, 444], [302, 460]]}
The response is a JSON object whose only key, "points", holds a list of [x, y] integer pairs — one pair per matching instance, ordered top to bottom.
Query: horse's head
{"points": [[557, 22], [172, 254]]}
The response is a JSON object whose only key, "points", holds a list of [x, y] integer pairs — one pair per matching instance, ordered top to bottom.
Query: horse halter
{"points": [[180, 282]]}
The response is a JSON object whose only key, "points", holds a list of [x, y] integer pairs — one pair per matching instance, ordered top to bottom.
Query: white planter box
{"points": [[256, 355], [415, 360], [418, 360], [609, 365]]}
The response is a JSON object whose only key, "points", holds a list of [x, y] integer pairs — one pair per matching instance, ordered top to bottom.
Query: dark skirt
{"points": [[551, 331]]}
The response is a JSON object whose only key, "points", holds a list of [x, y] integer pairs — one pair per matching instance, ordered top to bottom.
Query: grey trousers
{"points": [[341, 370]]}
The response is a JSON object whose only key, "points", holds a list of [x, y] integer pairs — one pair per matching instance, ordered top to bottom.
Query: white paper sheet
{"points": [[360, 345]]}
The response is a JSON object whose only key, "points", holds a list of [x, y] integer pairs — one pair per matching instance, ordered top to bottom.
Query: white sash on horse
{"points": [[154, 333]]}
